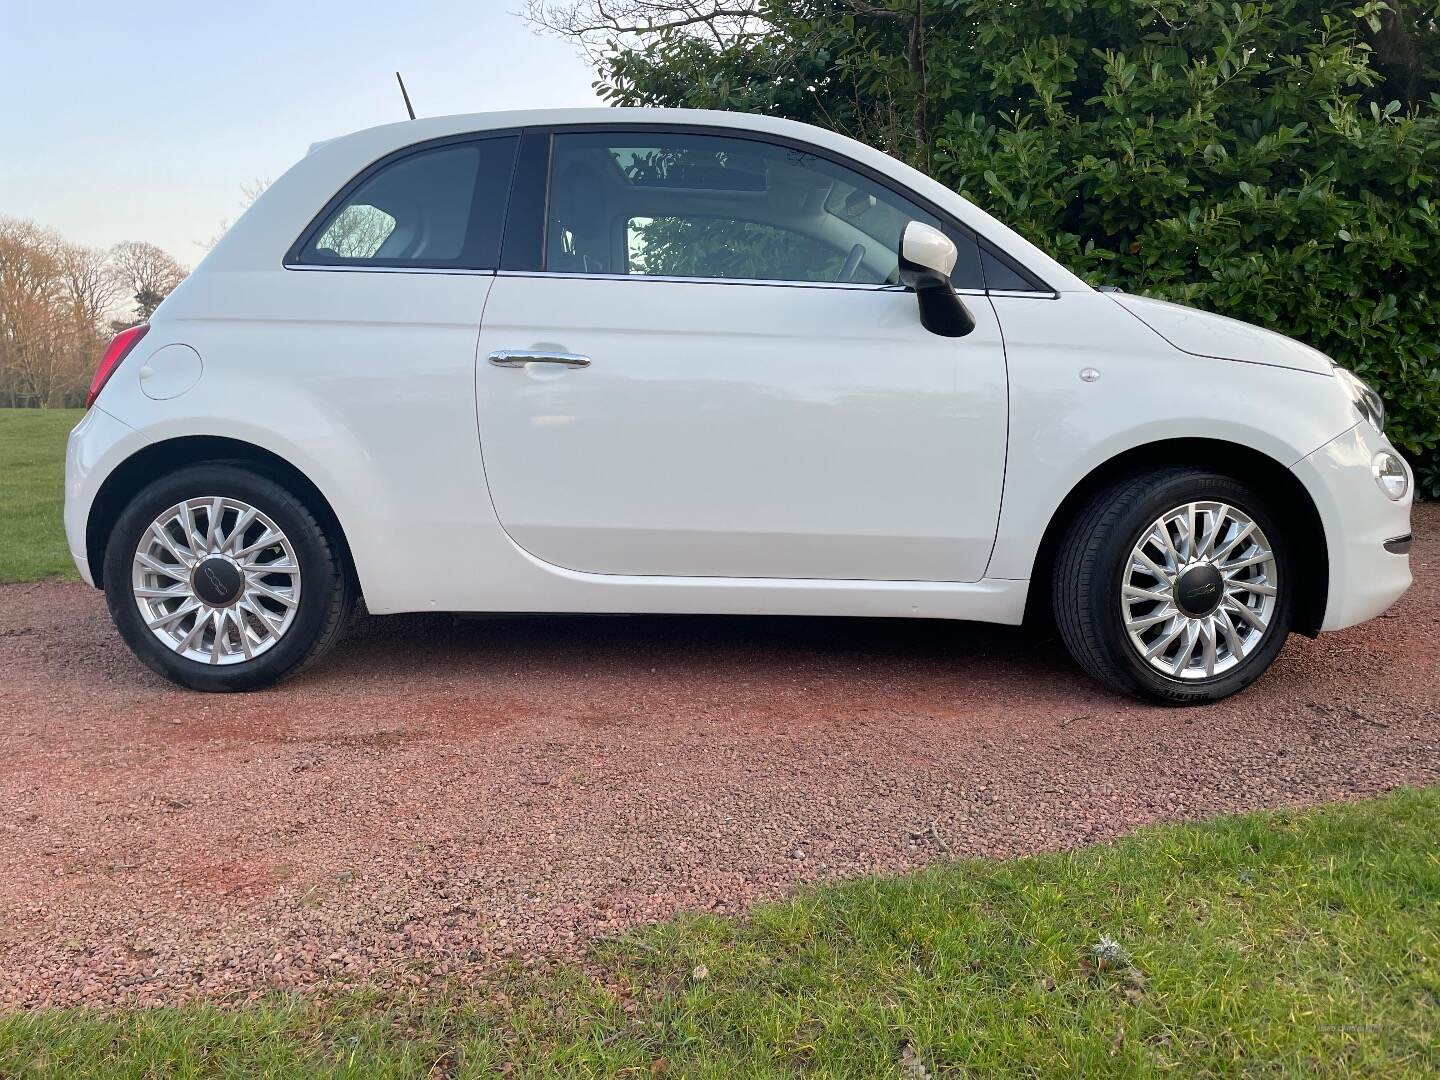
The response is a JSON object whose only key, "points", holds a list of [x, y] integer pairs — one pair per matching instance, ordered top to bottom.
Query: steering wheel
{"points": [[852, 263]]}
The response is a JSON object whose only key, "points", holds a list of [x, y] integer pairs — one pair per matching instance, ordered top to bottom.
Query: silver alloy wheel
{"points": [[216, 581], [1199, 590]]}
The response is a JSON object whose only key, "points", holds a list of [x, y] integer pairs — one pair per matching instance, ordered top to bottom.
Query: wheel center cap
{"points": [[217, 581], [1198, 591]]}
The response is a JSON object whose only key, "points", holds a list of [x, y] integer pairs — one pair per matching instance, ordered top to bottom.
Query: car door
{"points": [[707, 369]]}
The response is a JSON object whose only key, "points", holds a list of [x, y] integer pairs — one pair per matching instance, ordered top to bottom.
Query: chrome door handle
{"points": [[521, 357]]}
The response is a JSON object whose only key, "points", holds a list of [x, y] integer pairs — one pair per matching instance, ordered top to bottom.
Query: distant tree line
{"points": [[59, 304]]}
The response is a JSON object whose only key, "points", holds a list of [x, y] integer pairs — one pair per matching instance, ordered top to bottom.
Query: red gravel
{"points": [[441, 794]]}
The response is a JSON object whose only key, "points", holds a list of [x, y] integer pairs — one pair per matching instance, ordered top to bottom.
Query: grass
{"points": [[32, 493], [1287, 944]]}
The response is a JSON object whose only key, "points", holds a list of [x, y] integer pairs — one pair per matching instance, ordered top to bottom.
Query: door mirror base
{"points": [[942, 312]]}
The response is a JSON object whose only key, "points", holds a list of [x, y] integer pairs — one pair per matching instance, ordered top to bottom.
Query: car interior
{"points": [[706, 206], [417, 210]]}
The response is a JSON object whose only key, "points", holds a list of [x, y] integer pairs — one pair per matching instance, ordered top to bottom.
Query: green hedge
{"points": [[1237, 157]]}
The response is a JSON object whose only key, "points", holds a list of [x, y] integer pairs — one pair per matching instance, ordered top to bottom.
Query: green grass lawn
{"points": [[32, 493], [1289, 944]]}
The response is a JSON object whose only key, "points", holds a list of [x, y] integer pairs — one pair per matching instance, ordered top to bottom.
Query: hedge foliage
{"points": [[1244, 158]]}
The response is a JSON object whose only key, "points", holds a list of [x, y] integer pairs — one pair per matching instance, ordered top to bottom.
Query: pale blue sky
{"points": [[143, 121]]}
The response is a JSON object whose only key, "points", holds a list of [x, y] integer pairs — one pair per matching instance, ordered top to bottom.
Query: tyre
{"points": [[220, 579], [1176, 585]]}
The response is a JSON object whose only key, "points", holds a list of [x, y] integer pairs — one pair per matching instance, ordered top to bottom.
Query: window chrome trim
{"points": [[459, 270], [844, 286], [851, 286], [1025, 294]]}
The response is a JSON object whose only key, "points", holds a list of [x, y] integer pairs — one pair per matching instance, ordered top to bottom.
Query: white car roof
{"points": [[266, 231]]}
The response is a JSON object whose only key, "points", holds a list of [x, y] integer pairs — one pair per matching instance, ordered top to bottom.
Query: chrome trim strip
{"points": [[461, 271], [752, 282], [849, 286], [1025, 294]]}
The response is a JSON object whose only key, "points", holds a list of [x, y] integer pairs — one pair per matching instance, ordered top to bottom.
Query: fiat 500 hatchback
{"points": [[656, 361]]}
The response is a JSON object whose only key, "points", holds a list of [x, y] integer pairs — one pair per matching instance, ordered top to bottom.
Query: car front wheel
{"points": [[221, 579], [1175, 585]]}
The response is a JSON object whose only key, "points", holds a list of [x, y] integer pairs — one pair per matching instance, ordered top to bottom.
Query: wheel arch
{"points": [[162, 458], [1293, 505]]}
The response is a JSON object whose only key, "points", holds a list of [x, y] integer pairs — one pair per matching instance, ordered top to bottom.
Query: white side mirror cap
{"points": [[924, 245]]}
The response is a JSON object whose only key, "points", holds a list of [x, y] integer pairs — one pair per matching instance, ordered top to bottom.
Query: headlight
{"points": [[1367, 402], [1390, 474]]}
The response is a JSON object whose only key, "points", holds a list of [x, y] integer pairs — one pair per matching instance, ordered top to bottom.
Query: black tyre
{"points": [[220, 579], [1176, 585]]}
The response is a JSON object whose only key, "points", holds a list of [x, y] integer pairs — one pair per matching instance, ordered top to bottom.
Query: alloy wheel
{"points": [[216, 580], [1199, 590]]}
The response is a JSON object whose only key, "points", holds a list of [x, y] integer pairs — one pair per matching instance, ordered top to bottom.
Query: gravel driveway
{"points": [[444, 794]]}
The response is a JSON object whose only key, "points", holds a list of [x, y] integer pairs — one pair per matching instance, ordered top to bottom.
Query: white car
{"points": [[668, 361]]}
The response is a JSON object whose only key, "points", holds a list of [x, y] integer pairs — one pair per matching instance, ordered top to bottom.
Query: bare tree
{"points": [[598, 26], [601, 27], [248, 194], [357, 232], [146, 273], [90, 284], [90, 293], [31, 300], [55, 300]]}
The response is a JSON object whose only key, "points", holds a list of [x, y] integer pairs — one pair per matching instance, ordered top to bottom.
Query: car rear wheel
{"points": [[221, 579], [1177, 585]]}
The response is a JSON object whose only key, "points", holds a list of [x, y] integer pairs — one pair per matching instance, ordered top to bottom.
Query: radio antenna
{"points": [[406, 95]]}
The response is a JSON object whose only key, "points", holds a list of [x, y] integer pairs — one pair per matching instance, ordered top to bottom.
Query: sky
{"points": [[146, 121]]}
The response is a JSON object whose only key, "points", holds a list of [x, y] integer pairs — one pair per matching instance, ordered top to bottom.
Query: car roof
{"points": [[401, 133]]}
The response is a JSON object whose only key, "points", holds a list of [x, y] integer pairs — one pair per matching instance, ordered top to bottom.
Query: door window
{"points": [[710, 206], [441, 207]]}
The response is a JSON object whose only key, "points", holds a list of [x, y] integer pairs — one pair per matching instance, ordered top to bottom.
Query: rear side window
{"points": [[442, 207]]}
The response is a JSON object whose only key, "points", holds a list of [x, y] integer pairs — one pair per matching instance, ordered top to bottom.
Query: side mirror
{"points": [[927, 256]]}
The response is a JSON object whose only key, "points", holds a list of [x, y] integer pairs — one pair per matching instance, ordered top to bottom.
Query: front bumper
{"points": [[1365, 576]]}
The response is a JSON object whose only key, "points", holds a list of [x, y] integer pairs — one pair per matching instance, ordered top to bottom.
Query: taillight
{"points": [[119, 348]]}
